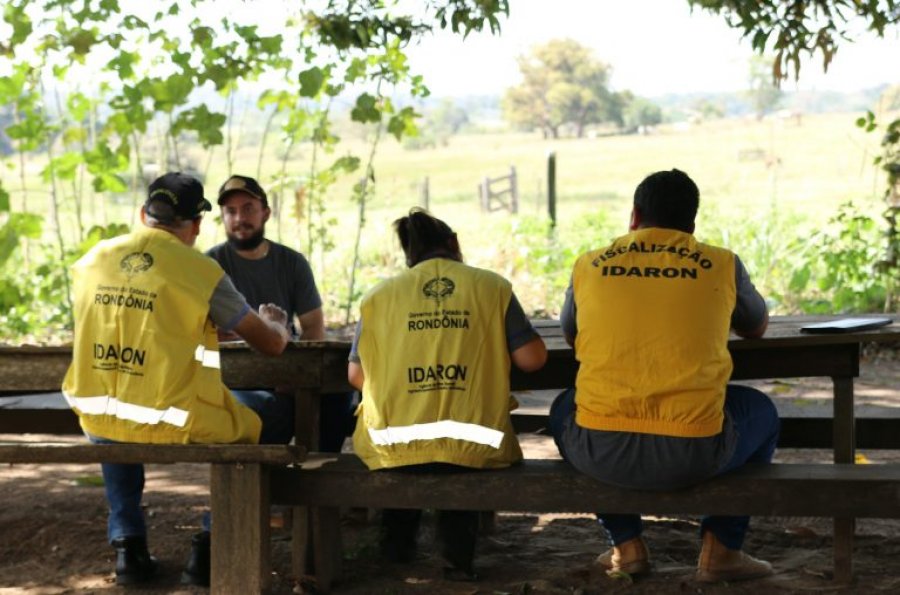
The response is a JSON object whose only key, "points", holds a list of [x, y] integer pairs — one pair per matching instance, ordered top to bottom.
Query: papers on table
{"points": [[846, 325]]}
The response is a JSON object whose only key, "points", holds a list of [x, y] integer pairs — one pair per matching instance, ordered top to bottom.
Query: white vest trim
{"points": [[207, 358], [106, 405], [439, 429]]}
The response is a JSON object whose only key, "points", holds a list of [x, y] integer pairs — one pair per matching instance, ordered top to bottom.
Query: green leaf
{"points": [[20, 22], [132, 22], [203, 36], [81, 41], [271, 45], [123, 64], [356, 69], [311, 81], [171, 92], [79, 106], [365, 109], [402, 123], [208, 125], [347, 164], [63, 167], [106, 182], [4, 199], [27, 224], [19, 225], [800, 279], [89, 481]]}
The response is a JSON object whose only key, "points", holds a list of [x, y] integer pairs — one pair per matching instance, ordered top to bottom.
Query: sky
{"points": [[654, 46]]}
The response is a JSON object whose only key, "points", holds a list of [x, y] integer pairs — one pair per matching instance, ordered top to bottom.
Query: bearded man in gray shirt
{"points": [[268, 272]]}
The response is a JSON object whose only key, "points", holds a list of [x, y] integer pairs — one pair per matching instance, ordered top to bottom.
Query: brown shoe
{"points": [[631, 557], [718, 563]]}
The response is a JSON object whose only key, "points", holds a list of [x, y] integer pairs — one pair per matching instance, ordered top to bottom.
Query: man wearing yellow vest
{"points": [[649, 318], [432, 358], [145, 365]]}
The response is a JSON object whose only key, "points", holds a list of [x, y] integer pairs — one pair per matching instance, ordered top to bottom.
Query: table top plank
{"points": [[322, 364]]}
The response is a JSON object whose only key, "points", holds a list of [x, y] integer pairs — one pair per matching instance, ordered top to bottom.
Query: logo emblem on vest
{"points": [[136, 262], [439, 288]]}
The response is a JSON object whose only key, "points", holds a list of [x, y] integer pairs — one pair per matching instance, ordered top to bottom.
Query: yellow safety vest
{"points": [[653, 314], [434, 353], [145, 365]]}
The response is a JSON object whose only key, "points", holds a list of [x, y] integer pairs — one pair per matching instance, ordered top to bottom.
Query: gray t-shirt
{"points": [[283, 277], [226, 305], [648, 461]]}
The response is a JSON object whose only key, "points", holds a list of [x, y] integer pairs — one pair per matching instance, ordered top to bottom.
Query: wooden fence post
{"points": [[551, 187], [513, 190], [424, 194]]}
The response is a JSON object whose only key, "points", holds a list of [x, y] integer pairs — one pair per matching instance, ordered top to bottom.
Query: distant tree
{"points": [[563, 83], [763, 93], [890, 98], [709, 110], [642, 113], [448, 118], [438, 125]]}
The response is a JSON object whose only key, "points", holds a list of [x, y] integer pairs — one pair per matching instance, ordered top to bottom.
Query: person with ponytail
{"points": [[432, 357]]}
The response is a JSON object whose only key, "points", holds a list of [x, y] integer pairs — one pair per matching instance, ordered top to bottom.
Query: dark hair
{"points": [[668, 199], [161, 211], [421, 234]]}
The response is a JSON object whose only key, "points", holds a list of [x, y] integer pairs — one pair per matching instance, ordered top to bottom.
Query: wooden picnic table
{"points": [[320, 367], [315, 368]]}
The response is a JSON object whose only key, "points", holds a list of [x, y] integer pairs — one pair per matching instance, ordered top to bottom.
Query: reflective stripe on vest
{"points": [[207, 358], [106, 405], [439, 429]]}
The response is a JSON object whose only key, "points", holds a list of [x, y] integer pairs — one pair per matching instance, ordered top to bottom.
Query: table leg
{"points": [[306, 418], [306, 433], [844, 452], [316, 543]]}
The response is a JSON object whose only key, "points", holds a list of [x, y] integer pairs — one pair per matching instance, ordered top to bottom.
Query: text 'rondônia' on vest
{"points": [[125, 298], [439, 319]]}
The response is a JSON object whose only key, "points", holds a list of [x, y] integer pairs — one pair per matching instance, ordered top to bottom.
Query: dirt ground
{"points": [[52, 531]]}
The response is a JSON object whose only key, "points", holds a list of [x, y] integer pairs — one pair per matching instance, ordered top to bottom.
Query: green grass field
{"points": [[749, 173]]}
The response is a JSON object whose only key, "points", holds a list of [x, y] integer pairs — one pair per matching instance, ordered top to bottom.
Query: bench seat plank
{"points": [[42, 452], [554, 486]]}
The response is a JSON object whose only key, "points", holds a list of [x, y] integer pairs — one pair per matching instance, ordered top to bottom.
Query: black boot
{"points": [[457, 532], [398, 538], [134, 564], [197, 570]]}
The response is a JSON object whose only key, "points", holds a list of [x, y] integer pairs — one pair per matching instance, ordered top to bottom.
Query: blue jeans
{"points": [[276, 412], [336, 419], [756, 423], [125, 483]]}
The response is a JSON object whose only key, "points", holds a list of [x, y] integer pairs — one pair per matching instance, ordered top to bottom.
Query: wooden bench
{"points": [[326, 482], [239, 495]]}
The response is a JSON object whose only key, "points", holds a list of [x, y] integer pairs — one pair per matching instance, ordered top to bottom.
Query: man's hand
{"points": [[273, 313], [266, 332]]}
